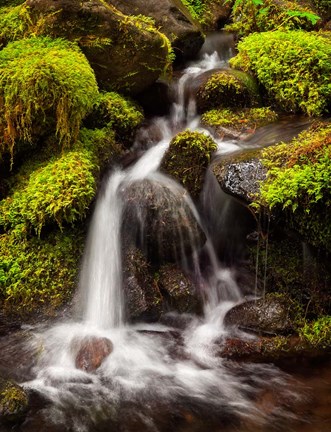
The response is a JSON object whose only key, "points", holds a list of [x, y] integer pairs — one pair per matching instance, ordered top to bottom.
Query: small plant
{"points": [[294, 68], [318, 333]]}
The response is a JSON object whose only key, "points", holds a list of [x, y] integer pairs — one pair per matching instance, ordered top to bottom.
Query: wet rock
{"points": [[218, 14], [173, 19], [126, 53], [155, 99], [240, 178], [158, 219], [178, 289], [143, 298], [271, 315], [92, 352], [13, 402]]}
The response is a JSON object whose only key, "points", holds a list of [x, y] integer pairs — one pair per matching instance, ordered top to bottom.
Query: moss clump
{"points": [[266, 15], [14, 23], [294, 67], [42, 78], [227, 89], [113, 111], [247, 119], [187, 158], [299, 183], [38, 273], [318, 333], [13, 401]]}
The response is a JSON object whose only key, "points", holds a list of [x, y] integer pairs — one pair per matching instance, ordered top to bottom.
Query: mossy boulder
{"points": [[215, 14], [268, 15], [173, 19], [127, 53], [293, 67], [46, 86], [228, 89], [113, 111], [238, 123], [187, 159], [158, 219], [179, 292], [143, 298], [13, 402]]}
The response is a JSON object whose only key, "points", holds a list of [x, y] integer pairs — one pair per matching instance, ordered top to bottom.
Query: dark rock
{"points": [[218, 14], [173, 19], [126, 53], [155, 99], [240, 178], [158, 219], [178, 289], [143, 298], [271, 315], [92, 352], [13, 402]]}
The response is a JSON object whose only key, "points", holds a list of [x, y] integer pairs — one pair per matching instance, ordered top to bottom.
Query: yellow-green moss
{"points": [[251, 16], [294, 68], [41, 78], [249, 118], [187, 158], [39, 273], [318, 333], [13, 401]]}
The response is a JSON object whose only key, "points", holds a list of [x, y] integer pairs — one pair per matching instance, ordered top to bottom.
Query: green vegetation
{"points": [[196, 8], [250, 16], [294, 67], [42, 78], [228, 88], [112, 110], [247, 119], [187, 158], [39, 273], [318, 333], [13, 401]]}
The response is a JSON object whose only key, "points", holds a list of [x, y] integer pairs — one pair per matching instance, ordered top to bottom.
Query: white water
{"points": [[147, 367]]}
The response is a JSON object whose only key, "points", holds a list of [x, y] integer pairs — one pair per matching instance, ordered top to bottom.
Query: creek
{"points": [[160, 377]]}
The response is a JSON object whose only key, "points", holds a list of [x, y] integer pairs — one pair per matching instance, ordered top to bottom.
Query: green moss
{"points": [[197, 8], [266, 15], [14, 23], [294, 67], [42, 78], [227, 89], [112, 110], [249, 118], [187, 158], [38, 273], [318, 333], [13, 401]]}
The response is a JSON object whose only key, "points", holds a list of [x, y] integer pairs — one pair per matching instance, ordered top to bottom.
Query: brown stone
{"points": [[92, 352]]}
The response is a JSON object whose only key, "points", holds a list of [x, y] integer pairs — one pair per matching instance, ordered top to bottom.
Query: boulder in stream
{"points": [[157, 218], [92, 352], [13, 402]]}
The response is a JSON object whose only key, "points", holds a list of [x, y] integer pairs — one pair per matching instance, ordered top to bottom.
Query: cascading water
{"points": [[153, 370]]}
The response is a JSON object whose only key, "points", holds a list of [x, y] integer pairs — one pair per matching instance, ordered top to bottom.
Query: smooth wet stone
{"points": [[92, 352], [13, 402]]}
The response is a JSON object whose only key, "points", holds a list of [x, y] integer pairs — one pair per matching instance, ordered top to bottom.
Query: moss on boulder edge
{"points": [[187, 159], [13, 402]]}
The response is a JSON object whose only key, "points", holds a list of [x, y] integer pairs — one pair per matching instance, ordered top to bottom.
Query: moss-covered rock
{"points": [[267, 15], [127, 53], [294, 68], [42, 79], [227, 88], [113, 111], [235, 124], [187, 159], [39, 274], [318, 333], [13, 402]]}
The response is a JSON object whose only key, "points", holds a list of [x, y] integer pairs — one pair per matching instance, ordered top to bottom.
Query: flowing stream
{"points": [[157, 378]]}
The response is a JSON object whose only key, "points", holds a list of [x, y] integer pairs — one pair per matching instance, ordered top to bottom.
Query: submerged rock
{"points": [[172, 18], [158, 219], [178, 289], [143, 298], [271, 315], [92, 352], [13, 402]]}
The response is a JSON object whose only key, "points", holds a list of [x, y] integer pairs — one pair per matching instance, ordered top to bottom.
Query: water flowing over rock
{"points": [[173, 19], [126, 53], [240, 178], [158, 218], [271, 315], [92, 352]]}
